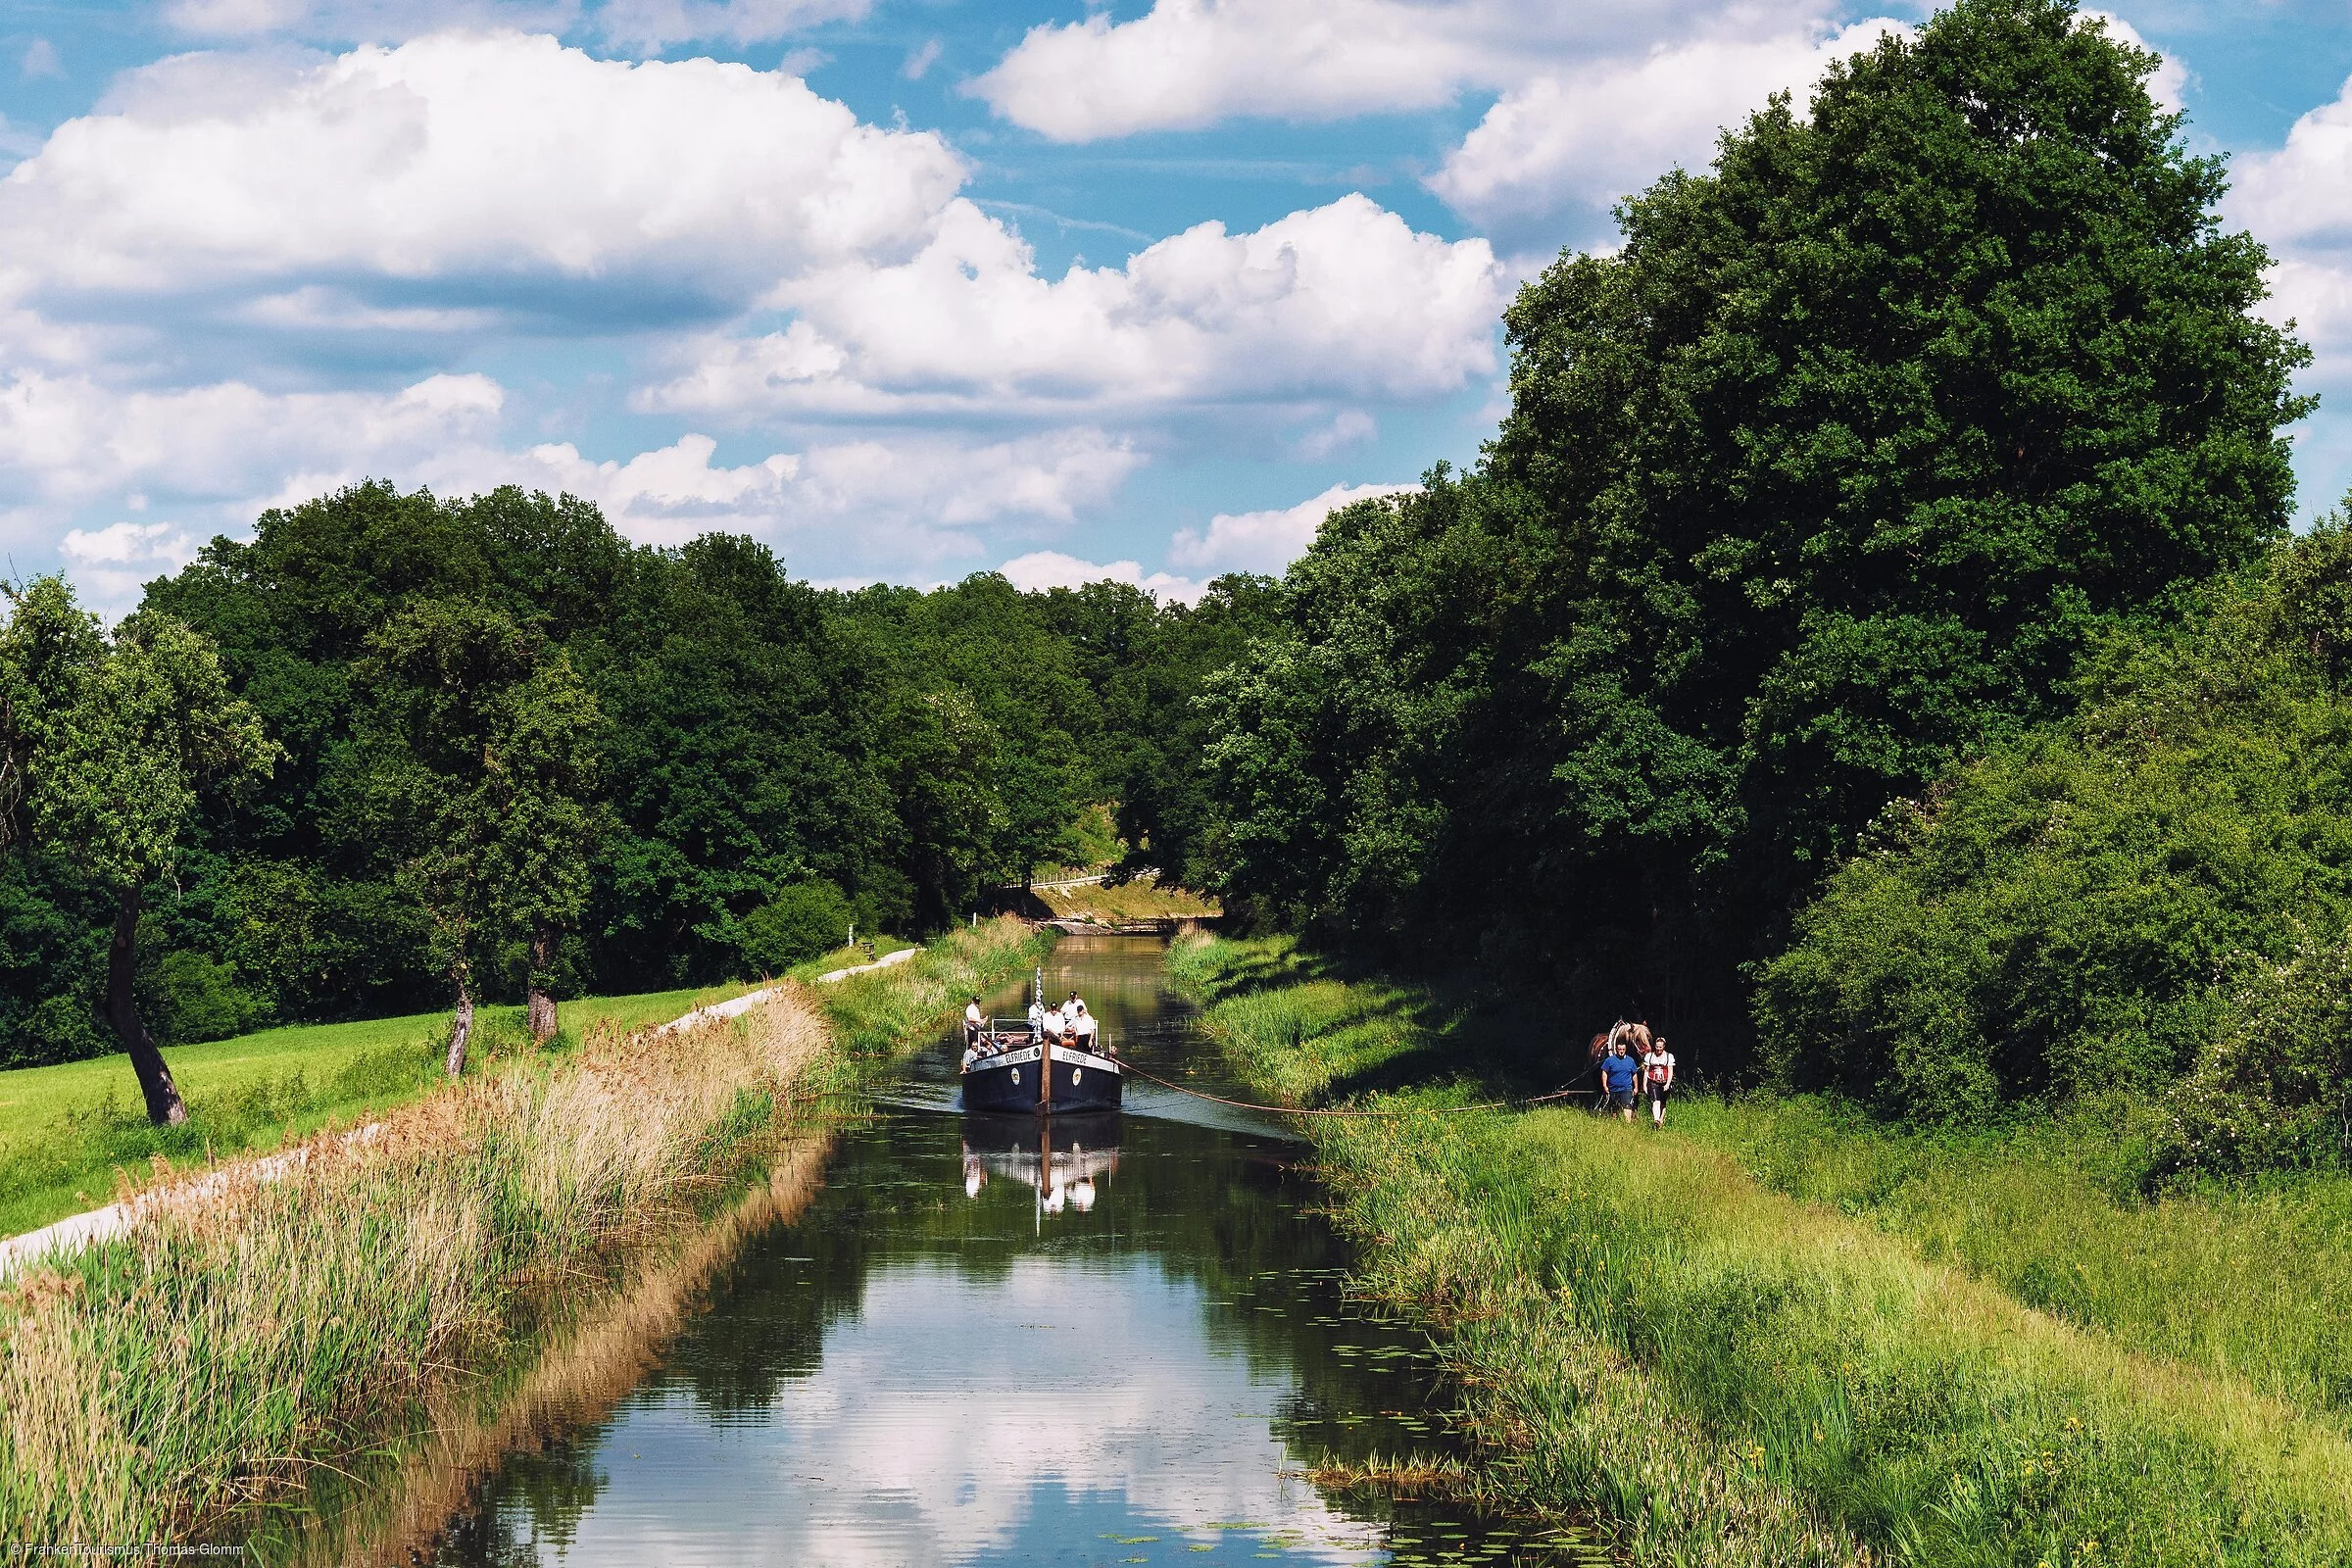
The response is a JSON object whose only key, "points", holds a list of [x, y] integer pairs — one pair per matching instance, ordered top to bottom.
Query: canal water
{"points": [[1122, 1340]]}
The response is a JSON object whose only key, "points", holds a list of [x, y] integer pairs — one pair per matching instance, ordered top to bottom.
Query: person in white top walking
{"points": [[1657, 1077]]}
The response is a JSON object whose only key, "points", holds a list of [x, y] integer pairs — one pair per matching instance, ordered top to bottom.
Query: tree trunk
{"points": [[542, 1009], [461, 1027], [164, 1107]]}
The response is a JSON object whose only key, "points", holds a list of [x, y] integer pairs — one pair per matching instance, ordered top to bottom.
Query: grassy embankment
{"points": [[1141, 900], [64, 1131], [1719, 1371], [160, 1386]]}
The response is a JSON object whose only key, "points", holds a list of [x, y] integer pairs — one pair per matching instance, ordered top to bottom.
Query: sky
{"points": [[905, 288]]}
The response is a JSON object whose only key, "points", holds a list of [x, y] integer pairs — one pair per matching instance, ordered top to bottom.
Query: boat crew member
{"points": [[1036, 1017], [972, 1022], [1053, 1024], [1084, 1027]]}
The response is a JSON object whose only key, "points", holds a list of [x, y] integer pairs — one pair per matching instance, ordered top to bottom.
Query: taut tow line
{"points": [[1297, 1111]]}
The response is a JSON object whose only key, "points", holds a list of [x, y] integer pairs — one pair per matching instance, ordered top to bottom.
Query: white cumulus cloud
{"points": [[1190, 63], [1586, 136], [500, 157], [2298, 200], [1342, 300], [72, 440], [911, 492], [1268, 541], [110, 565], [1050, 568]]}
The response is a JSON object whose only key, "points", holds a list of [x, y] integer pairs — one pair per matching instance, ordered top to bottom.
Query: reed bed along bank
{"points": [[881, 1014], [1718, 1372], [575, 1381], [164, 1386], [153, 1387]]}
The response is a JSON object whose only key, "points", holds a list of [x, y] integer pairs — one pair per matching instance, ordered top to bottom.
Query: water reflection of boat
{"points": [[1012, 1069], [1062, 1159]]}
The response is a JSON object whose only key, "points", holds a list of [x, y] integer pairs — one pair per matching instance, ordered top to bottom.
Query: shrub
{"points": [[2061, 915], [799, 922], [188, 997], [2274, 1090]]}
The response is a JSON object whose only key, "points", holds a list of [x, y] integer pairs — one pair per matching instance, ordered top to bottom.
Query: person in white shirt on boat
{"points": [[1036, 1017], [973, 1022], [1053, 1024], [1084, 1028]]}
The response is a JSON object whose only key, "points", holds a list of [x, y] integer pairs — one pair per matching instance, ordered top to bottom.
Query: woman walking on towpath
{"points": [[1657, 1076]]}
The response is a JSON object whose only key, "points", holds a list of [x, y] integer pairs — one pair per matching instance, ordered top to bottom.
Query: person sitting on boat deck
{"points": [[1051, 1026]]}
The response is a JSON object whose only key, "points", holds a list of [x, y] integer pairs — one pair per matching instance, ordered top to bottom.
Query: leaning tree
{"points": [[116, 743]]}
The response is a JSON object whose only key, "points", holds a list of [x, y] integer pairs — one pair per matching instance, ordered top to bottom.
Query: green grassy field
{"points": [[847, 957], [66, 1130], [1779, 1335]]}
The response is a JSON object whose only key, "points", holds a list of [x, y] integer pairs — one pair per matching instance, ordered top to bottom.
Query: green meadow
{"points": [[65, 1131], [1781, 1333]]}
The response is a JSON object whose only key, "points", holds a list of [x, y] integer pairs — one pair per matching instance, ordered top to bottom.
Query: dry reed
{"points": [[158, 1386]]}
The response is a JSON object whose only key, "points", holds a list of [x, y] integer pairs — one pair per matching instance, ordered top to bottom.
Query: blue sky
{"points": [[907, 288]]}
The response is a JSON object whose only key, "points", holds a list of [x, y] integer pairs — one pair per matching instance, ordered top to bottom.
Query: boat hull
{"points": [[1015, 1082]]}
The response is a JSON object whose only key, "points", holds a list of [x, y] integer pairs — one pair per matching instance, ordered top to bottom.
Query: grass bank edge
{"points": [[73, 1135], [76, 1135], [1723, 1373], [165, 1385]]}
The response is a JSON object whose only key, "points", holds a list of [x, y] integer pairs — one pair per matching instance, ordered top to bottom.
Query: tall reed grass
{"points": [[885, 1012], [1724, 1374], [574, 1382], [162, 1386], [154, 1387]]}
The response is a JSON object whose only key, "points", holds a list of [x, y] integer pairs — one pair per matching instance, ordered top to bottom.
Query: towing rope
{"points": [[1298, 1110]]}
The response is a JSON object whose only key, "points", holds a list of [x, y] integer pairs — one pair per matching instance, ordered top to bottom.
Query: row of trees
{"points": [[1820, 482], [1813, 497], [409, 751]]}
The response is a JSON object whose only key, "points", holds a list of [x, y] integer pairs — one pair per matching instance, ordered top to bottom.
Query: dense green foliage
{"points": [[1817, 483], [518, 744], [113, 748], [2162, 883]]}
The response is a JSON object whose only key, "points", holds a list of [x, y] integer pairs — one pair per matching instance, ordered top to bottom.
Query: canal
{"points": [[1123, 1341]]}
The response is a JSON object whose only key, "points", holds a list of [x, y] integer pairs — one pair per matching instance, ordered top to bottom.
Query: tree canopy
{"points": [[1820, 481], [523, 753]]}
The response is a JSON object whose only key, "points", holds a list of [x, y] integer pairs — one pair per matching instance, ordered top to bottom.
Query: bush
{"points": [[2062, 916], [801, 921], [188, 997], [2274, 1090]]}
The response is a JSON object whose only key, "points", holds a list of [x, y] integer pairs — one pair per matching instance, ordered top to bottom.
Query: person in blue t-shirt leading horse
{"points": [[1618, 1072]]}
